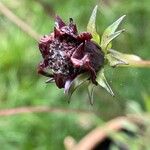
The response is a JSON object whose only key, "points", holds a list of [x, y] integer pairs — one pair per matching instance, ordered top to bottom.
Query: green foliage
{"points": [[91, 27], [110, 33], [116, 58], [103, 82], [21, 86]]}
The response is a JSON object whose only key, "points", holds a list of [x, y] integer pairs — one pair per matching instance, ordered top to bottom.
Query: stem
{"points": [[47, 8], [17, 21], [129, 60], [140, 63], [41, 109], [98, 135]]}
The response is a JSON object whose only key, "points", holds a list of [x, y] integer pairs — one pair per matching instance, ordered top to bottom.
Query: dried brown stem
{"points": [[17, 21], [40, 109], [99, 134]]}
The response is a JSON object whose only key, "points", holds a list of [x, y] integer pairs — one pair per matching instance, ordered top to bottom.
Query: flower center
{"points": [[59, 57]]}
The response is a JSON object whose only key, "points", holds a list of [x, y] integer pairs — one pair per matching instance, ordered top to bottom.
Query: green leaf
{"points": [[91, 27], [109, 34], [116, 58], [103, 82], [91, 87]]}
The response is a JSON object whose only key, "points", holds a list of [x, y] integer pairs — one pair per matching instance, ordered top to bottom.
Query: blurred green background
{"points": [[21, 86]]}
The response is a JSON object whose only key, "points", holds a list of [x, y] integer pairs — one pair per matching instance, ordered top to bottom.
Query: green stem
{"points": [[139, 63]]}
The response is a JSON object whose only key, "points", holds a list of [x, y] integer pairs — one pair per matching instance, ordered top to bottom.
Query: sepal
{"points": [[91, 27], [109, 33], [103, 82]]}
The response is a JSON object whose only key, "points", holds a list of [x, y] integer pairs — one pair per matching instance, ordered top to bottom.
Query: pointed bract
{"points": [[91, 27], [110, 31], [110, 38], [126, 59], [114, 61], [103, 82], [76, 83], [91, 92]]}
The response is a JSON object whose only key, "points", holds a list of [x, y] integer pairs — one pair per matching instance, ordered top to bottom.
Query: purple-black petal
{"points": [[59, 23]]}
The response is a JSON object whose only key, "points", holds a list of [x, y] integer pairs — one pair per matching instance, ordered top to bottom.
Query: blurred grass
{"points": [[21, 86]]}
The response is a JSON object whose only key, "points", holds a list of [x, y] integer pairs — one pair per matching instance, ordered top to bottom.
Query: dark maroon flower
{"points": [[67, 54]]}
